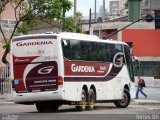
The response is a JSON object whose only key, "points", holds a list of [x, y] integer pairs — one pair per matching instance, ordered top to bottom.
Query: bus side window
{"points": [[66, 48], [71, 49], [119, 49], [75, 50], [85, 50], [103, 52], [112, 52], [93, 54], [129, 62]]}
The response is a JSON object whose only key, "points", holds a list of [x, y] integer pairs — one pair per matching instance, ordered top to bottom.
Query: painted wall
{"points": [[145, 42]]}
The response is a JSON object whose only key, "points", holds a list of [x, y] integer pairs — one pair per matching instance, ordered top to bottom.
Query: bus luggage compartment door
{"points": [[36, 77]]}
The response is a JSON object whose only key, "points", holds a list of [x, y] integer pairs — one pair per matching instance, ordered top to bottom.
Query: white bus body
{"points": [[54, 69]]}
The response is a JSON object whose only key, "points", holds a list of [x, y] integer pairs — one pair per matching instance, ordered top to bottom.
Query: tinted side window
{"points": [[66, 48], [71, 49], [75, 49], [112, 49], [80, 50], [85, 50], [89, 51], [103, 52], [127, 55], [93, 56], [120, 57], [129, 62]]}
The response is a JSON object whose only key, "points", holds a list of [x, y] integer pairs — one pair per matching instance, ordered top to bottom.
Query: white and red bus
{"points": [[50, 70]]}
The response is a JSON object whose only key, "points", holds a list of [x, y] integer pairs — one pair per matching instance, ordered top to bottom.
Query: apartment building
{"points": [[117, 7]]}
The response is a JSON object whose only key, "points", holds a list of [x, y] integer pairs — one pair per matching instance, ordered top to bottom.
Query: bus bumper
{"points": [[37, 96]]}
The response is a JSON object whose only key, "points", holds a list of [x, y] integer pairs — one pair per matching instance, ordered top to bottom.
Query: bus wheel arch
{"points": [[126, 87]]}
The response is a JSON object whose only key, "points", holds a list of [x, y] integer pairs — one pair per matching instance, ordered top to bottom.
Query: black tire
{"points": [[91, 99], [124, 102], [46, 106], [81, 106], [40, 107], [53, 107]]}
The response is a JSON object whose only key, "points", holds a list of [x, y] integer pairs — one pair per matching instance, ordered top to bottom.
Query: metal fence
{"points": [[5, 80]]}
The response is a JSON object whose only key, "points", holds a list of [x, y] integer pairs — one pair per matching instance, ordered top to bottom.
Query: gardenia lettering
{"points": [[34, 43], [75, 68]]}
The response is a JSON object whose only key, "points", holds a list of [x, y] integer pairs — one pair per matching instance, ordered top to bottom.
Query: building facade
{"points": [[117, 7]]}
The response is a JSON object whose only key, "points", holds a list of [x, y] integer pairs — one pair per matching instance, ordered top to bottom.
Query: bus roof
{"points": [[69, 35], [77, 35]]}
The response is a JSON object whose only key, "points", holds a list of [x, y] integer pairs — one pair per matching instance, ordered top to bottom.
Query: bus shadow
{"points": [[71, 109]]}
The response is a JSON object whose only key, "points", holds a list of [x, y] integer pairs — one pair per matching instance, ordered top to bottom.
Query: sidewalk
{"points": [[6, 99], [145, 102]]}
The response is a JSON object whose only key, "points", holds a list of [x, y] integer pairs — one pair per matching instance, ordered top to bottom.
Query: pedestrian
{"points": [[140, 86]]}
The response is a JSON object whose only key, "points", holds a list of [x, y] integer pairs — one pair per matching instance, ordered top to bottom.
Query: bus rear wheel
{"points": [[91, 99], [125, 101], [46, 106], [81, 106], [40, 107]]}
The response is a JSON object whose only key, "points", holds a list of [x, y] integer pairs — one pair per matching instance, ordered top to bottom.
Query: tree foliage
{"points": [[126, 4], [27, 11], [70, 23]]}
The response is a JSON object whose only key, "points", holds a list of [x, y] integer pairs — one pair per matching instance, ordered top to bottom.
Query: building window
{"points": [[150, 68]]}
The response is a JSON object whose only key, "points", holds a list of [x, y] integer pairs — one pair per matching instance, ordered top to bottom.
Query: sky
{"points": [[83, 6]]}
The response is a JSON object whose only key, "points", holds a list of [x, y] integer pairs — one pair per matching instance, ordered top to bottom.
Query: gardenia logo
{"points": [[19, 44], [118, 61], [75, 68]]}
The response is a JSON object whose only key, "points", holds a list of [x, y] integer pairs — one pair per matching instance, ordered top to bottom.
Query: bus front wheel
{"points": [[125, 101]]}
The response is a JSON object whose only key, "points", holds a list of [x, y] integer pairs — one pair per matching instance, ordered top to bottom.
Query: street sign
{"points": [[7, 26]]}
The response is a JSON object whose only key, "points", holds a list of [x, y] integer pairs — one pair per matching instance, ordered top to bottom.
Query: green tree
{"points": [[126, 4], [26, 14], [78, 17], [70, 23]]}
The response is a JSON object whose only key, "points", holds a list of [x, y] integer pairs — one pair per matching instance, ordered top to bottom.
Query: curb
{"points": [[4, 101], [147, 102], [7, 103]]}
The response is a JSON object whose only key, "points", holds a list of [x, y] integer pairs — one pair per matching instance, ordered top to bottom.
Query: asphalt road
{"points": [[102, 111]]}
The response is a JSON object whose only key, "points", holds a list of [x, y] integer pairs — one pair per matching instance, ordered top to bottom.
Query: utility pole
{"points": [[95, 9], [103, 11], [74, 12], [64, 15], [90, 27]]}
